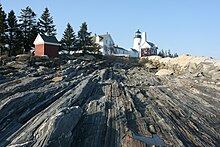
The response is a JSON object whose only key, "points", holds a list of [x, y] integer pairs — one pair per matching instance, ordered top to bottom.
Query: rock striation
{"points": [[96, 102]]}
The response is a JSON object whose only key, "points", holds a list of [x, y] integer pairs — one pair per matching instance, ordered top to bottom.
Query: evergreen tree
{"points": [[46, 25], [3, 27], [28, 27], [14, 35], [84, 39], [68, 40], [166, 53], [160, 54], [163, 54], [169, 54], [175, 55]]}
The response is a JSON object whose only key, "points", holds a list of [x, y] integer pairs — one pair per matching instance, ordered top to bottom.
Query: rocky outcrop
{"points": [[188, 64], [95, 102]]}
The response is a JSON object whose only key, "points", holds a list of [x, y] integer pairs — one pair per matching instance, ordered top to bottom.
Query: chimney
{"points": [[144, 36]]}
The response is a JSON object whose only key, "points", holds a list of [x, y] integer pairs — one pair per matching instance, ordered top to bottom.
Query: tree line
{"points": [[17, 33], [167, 53]]}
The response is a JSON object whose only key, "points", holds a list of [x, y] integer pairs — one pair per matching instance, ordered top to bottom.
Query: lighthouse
{"points": [[137, 41], [142, 46]]}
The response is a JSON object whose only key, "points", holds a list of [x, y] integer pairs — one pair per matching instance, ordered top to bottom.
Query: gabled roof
{"points": [[103, 37], [43, 39], [51, 39], [151, 44], [145, 45], [120, 48], [134, 50]]}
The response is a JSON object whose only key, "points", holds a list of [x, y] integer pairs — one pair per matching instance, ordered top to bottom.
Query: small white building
{"points": [[144, 47], [119, 51]]}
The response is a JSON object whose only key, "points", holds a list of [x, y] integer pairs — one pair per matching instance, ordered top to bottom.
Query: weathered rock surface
{"points": [[23, 57], [188, 64], [17, 65], [164, 72], [100, 103]]}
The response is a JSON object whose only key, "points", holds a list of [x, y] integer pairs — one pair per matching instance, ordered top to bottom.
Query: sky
{"points": [[185, 27]]}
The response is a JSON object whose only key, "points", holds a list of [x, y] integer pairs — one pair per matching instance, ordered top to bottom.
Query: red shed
{"points": [[46, 45]]}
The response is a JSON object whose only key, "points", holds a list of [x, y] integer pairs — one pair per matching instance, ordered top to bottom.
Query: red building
{"points": [[46, 45]]}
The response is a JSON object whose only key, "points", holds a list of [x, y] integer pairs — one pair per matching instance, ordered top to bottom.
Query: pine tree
{"points": [[46, 25], [3, 27], [28, 27], [14, 35], [84, 39], [68, 40], [160, 54], [163, 54], [169, 54], [175, 55]]}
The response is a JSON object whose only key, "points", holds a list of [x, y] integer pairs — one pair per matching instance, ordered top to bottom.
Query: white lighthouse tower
{"points": [[137, 41]]}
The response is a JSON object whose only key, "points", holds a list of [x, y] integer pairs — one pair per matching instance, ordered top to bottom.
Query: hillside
{"points": [[112, 102]]}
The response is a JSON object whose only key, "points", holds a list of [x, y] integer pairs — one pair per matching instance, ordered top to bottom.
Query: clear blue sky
{"points": [[186, 26]]}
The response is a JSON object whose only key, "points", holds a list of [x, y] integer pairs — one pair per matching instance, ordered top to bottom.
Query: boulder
{"points": [[23, 57], [17, 65], [164, 72], [57, 79], [152, 129]]}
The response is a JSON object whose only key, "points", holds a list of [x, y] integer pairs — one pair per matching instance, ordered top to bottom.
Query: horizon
{"points": [[183, 27]]}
